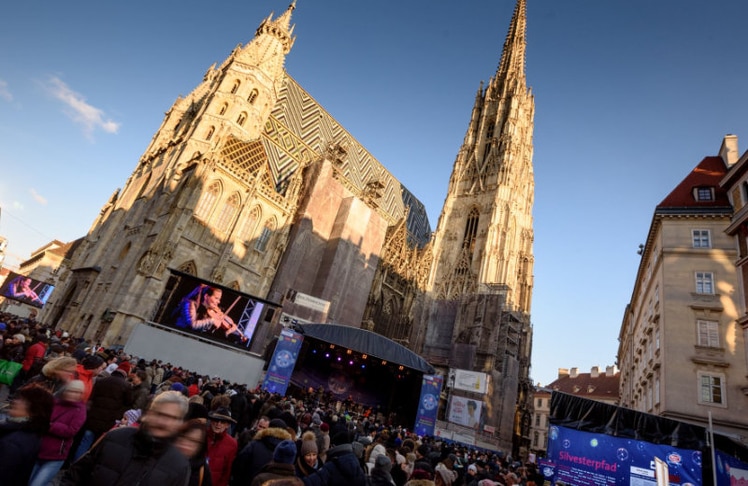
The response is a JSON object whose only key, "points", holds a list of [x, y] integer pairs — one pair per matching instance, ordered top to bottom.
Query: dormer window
{"points": [[704, 193]]}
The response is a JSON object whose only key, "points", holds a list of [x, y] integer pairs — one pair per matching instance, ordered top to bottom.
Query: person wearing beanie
{"points": [[87, 370], [68, 416], [324, 444], [259, 452], [308, 460], [282, 465], [342, 467], [446, 472], [380, 473]]}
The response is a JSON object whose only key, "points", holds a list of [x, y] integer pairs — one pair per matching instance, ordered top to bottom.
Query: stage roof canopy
{"points": [[366, 342]]}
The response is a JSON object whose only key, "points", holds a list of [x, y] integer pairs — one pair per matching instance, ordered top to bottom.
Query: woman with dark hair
{"points": [[21, 434], [192, 441]]}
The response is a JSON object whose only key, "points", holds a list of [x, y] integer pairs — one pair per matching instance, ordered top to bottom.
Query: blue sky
{"points": [[629, 96]]}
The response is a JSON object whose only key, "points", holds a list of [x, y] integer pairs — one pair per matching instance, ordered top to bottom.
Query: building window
{"points": [[235, 87], [252, 96], [223, 109], [242, 118], [211, 131], [744, 191], [704, 193], [207, 201], [228, 211], [248, 228], [471, 230], [701, 238], [262, 241], [704, 283], [708, 333], [657, 338], [710, 389], [657, 390], [540, 403], [537, 420], [535, 438]]}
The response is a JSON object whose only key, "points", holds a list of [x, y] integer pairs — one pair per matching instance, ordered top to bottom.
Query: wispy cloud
{"points": [[5, 92], [89, 117], [38, 197]]}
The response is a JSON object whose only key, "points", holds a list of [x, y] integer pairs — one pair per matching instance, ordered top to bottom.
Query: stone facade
{"points": [[249, 183], [682, 351]]}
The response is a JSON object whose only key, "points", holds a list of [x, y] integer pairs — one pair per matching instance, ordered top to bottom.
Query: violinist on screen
{"points": [[200, 311]]}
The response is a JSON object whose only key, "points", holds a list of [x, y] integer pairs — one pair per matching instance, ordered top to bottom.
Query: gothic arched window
{"points": [[235, 88], [223, 109], [242, 118], [211, 130], [207, 200], [228, 211], [248, 228], [471, 230], [264, 238], [189, 268]]}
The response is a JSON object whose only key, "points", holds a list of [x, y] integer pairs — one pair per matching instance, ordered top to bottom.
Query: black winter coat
{"points": [[110, 398], [18, 450], [255, 455], [128, 456], [341, 469]]}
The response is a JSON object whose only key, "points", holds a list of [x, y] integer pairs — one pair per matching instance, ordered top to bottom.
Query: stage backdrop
{"points": [[25, 289], [212, 311]]}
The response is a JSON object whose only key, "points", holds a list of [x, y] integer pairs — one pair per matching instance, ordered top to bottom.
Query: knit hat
{"points": [[20, 338], [91, 362], [124, 366], [75, 385], [177, 387], [132, 416], [316, 420], [277, 423], [324, 427], [341, 438], [308, 444], [285, 452], [383, 462], [472, 468]]}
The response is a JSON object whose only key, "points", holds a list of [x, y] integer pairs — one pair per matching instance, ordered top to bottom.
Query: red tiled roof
{"points": [[708, 173], [602, 388]]}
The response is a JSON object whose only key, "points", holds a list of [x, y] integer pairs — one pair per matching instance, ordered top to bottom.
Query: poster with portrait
{"points": [[26, 289], [211, 311], [465, 411]]}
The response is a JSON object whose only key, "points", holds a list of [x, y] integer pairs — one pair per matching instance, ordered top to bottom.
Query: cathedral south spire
{"points": [[477, 312]]}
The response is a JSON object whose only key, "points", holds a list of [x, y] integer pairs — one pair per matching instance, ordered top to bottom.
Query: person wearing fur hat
{"points": [[57, 373], [221, 446], [259, 452], [308, 460], [281, 466]]}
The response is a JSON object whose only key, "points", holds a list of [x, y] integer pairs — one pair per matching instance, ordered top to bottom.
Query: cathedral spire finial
{"points": [[280, 27], [512, 64]]}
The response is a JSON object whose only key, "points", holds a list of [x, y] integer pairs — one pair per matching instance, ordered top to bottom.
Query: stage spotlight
{"points": [[332, 346], [314, 351], [349, 351], [327, 355], [364, 356], [339, 358], [350, 362], [384, 362], [363, 366], [401, 368]]}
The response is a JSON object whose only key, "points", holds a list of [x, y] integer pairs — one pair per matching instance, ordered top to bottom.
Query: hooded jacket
{"points": [[67, 419], [257, 454], [341, 469]]}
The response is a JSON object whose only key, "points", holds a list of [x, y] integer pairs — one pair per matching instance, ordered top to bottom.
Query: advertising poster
{"points": [[25, 289], [210, 311], [282, 363], [472, 381], [431, 387], [465, 411], [589, 459], [730, 471]]}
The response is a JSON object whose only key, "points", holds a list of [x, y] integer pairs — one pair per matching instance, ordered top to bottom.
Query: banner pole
{"points": [[711, 444]]}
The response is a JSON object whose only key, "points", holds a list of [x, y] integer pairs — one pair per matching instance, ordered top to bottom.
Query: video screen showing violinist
{"points": [[25, 289], [209, 310]]}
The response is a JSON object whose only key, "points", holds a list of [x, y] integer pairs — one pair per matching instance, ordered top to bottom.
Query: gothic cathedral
{"points": [[250, 183]]}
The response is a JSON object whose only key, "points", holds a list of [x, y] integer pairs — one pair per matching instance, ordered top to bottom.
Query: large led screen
{"points": [[27, 290], [210, 310]]}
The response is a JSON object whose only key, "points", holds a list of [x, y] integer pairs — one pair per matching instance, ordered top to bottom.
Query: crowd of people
{"points": [[79, 414]]}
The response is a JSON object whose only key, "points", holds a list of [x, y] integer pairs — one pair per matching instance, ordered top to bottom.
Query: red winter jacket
{"points": [[221, 454]]}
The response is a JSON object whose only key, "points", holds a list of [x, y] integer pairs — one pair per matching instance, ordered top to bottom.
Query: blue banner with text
{"points": [[283, 361], [428, 404]]}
